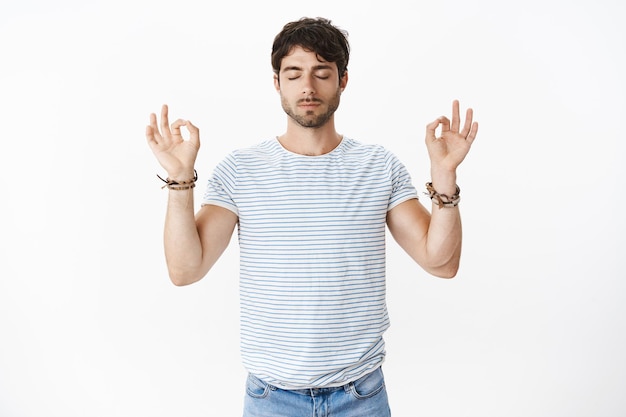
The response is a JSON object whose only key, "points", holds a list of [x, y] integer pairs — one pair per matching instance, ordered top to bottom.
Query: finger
{"points": [[469, 115], [456, 117], [153, 122], [165, 124], [445, 124], [176, 126], [153, 128], [431, 129], [472, 133], [150, 134], [194, 134], [152, 138]]}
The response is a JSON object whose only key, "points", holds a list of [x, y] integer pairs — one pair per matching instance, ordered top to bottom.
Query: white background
{"points": [[535, 322]]}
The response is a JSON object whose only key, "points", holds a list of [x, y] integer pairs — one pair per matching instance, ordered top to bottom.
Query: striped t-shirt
{"points": [[312, 257]]}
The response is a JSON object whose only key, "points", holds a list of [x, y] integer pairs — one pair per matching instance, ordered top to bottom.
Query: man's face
{"points": [[309, 88]]}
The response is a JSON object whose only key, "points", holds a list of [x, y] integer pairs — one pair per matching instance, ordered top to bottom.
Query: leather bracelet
{"points": [[180, 185], [443, 200]]}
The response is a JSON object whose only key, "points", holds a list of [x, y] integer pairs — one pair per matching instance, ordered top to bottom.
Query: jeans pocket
{"points": [[369, 385], [257, 388]]}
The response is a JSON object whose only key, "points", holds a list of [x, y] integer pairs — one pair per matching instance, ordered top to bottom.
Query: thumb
{"points": [[194, 134]]}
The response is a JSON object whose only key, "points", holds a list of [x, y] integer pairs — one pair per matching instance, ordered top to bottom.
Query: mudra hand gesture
{"points": [[447, 151], [175, 154]]}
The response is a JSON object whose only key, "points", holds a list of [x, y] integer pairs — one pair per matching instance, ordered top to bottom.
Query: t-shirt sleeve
{"points": [[402, 188], [220, 190]]}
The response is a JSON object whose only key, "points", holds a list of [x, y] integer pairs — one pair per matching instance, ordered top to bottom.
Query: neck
{"points": [[310, 141]]}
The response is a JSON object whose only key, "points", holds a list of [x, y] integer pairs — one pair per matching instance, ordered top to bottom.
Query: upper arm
{"points": [[408, 223], [215, 228], [432, 240]]}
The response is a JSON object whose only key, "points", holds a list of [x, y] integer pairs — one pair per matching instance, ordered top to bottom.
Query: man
{"points": [[311, 208]]}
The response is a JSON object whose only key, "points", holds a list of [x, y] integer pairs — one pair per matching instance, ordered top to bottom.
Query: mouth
{"points": [[307, 101], [309, 104]]}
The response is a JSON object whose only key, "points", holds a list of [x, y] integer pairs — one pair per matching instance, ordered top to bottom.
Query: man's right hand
{"points": [[176, 155]]}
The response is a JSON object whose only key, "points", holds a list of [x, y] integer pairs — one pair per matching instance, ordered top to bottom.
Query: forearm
{"points": [[444, 237], [183, 249]]}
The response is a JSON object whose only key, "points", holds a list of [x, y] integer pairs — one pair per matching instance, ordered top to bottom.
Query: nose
{"points": [[308, 88]]}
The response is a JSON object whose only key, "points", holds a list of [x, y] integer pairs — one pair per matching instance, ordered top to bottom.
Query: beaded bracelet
{"points": [[180, 185], [442, 200]]}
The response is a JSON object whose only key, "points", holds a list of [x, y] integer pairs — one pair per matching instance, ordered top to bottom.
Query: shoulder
{"points": [[364, 146], [266, 147], [369, 150], [244, 155]]}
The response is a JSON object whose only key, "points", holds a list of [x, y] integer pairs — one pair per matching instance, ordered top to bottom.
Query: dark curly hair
{"points": [[316, 35]]}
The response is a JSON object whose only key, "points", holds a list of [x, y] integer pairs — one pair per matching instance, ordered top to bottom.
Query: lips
{"points": [[309, 102]]}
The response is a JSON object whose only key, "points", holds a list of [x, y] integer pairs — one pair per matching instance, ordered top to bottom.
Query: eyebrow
{"points": [[297, 68]]}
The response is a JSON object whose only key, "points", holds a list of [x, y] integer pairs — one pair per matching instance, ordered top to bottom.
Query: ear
{"points": [[343, 81], [276, 82]]}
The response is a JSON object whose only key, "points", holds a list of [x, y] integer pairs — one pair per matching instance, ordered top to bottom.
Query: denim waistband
{"points": [[319, 391]]}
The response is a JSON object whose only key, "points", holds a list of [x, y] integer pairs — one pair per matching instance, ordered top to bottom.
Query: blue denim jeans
{"points": [[365, 397]]}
